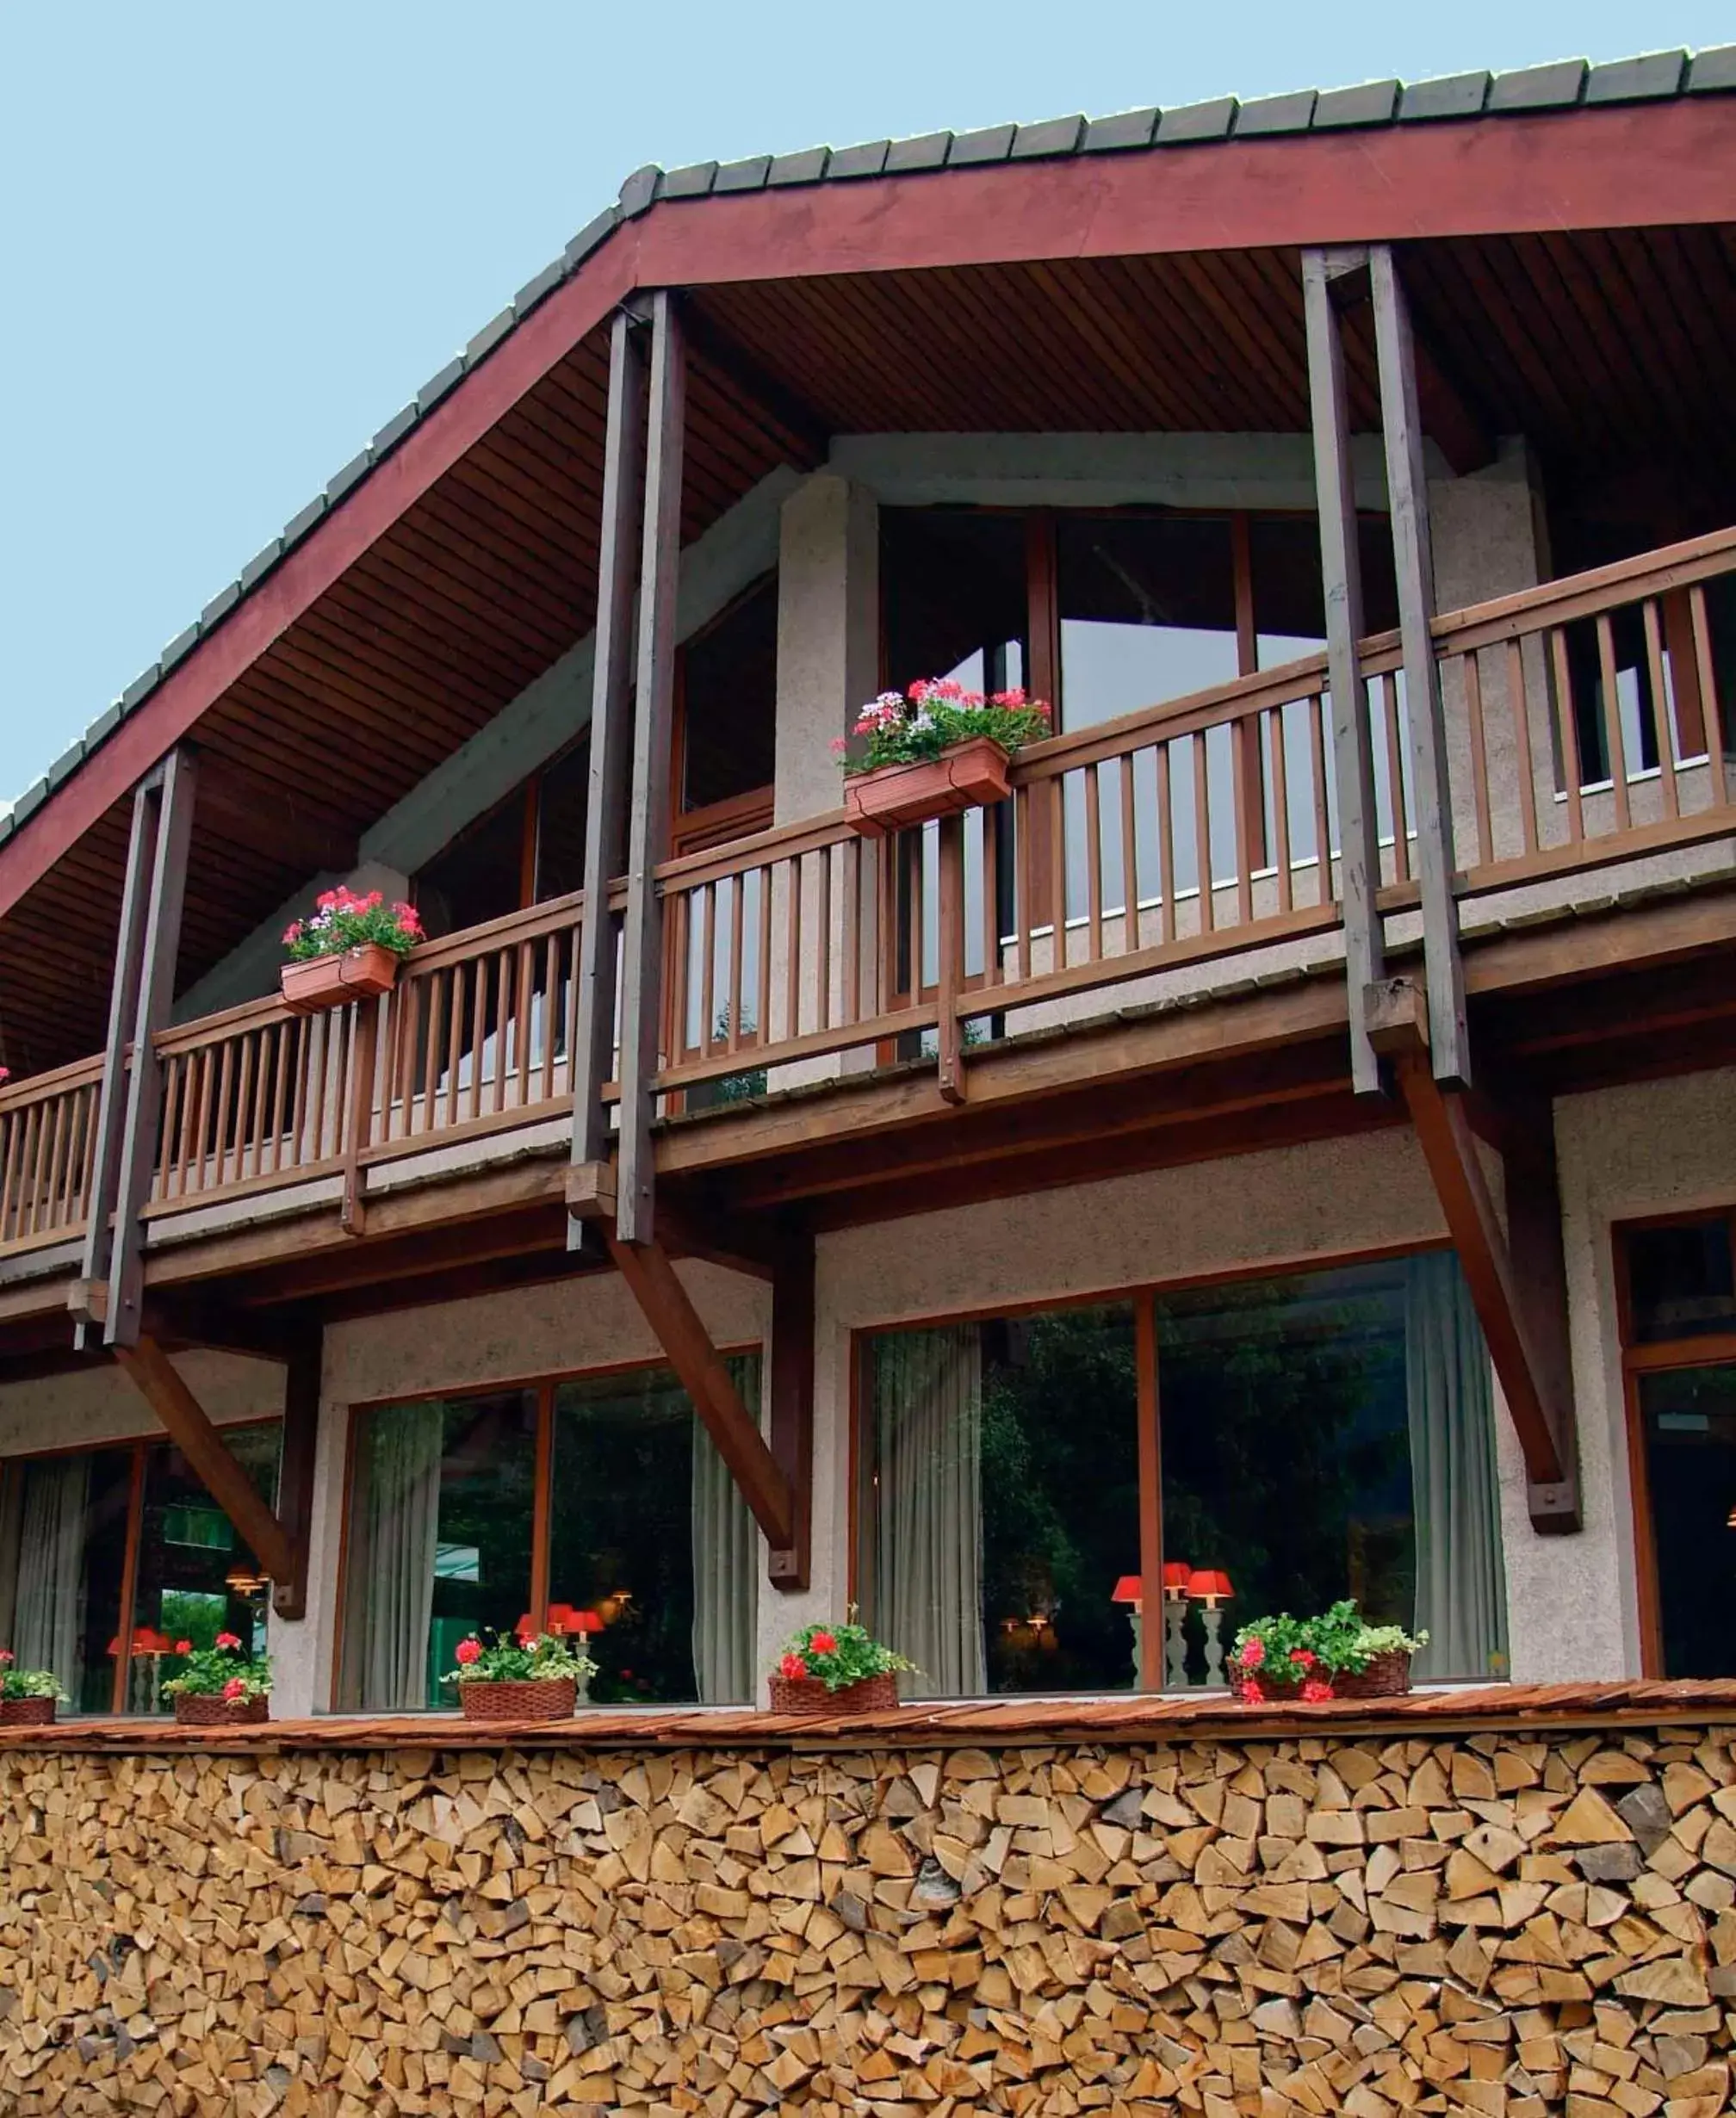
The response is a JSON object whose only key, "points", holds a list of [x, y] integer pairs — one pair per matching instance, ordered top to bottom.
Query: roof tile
{"points": [[1712, 70], [1646, 79], [1539, 87], [1451, 95], [1371, 103], [1276, 114], [1181, 127], [1122, 129], [1052, 136], [994, 143], [927, 150], [866, 160], [807, 166], [747, 176], [692, 182], [639, 190], [593, 232], [538, 289], [496, 329], [436, 386], [393, 431], [356, 468], [299, 524], [260, 564], [219, 605], [181, 646], [141, 687], [105, 723], [67, 763], [31, 800]]}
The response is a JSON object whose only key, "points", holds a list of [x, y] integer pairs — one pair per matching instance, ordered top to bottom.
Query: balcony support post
{"points": [[1327, 276], [1413, 570], [641, 1012], [591, 1180], [1515, 1276], [111, 1285], [790, 1386]]}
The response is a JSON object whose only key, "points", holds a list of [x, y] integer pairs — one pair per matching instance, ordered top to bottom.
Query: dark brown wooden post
{"points": [[1413, 564], [648, 822], [1359, 859], [155, 991], [590, 1182], [790, 1391], [296, 1461]]}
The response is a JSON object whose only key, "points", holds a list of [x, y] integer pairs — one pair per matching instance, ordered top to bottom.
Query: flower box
{"points": [[893, 797], [316, 983], [1388, 1676], [868, 1694], [518, 1698], [211, 1710], [27, 1713]]}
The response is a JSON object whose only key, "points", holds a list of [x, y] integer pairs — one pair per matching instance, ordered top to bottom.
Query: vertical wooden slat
{"points": [[1676, 612], [1471, 669], [1712, 707], [1660, 717], [1612, 719], [1567, 722], [1279, 767], [1317, 769], [1525, 769], [1395, 778], [1056, 807], [1246, 810], [1202, 832], [1252, 849], [914, 851], [1129, 857], [1093, 867], [1026, 880], [991, 910], [679, 919], [1167, 924], [738, 928], [822, 940], [554, 959], [708, 968], [792, 968], [949, 968], [762, 1004], [523, 1008], [479, 1028], [455, 1035], [282, 1060], [301, 1070], [173, 1071], [11, 1123], [255, 1124], [219, 1130], [193, 1168], [33, 1182]]}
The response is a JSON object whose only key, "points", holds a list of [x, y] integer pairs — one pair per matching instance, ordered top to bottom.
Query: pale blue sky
{"points": [[234, 239]]}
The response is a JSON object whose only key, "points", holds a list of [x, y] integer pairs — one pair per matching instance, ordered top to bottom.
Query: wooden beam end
{"points": [[1396, 1012], [591, 1191], [1553, 1506]]}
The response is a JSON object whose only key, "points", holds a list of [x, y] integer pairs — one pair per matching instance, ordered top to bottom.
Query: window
{"points": [[728, 707], [1319, 1435], [607, 1486], [69, 1600]]}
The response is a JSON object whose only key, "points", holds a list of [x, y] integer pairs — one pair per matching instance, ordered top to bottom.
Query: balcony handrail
{"points": [[1574, 596], [38, 1087]]}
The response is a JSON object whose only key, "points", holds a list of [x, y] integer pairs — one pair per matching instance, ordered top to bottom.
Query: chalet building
{"points": [[1286, 1149]]}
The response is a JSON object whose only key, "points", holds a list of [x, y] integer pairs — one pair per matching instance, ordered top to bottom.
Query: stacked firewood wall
{"points": [[1495, 1924]]}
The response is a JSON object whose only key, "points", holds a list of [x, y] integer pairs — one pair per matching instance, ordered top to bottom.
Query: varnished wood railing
{"points": [[1589, 720]]}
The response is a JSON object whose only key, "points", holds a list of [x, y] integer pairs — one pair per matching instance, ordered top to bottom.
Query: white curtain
{"points": [[928, 1546], [725, 1574], [392, 1589], [1461, 1589], [48, 1620]]}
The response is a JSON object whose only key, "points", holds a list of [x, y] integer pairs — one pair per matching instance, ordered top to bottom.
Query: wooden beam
{"points": [[1413, 568], [1358, 860], [159, 949], [641, 1011], [594, 1063], [681, 1332], [1532, 1378], [158, 1382], [791, 1390], [295, 1465]]}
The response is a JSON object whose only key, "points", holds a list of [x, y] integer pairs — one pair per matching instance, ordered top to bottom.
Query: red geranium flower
{"points": [[231, 1640], [821, 1643], [184, 1647], [469, 1651], [1253, 1654], [7, 1656], [1302, 1658], [792, 1666], [235, 1688], [1316, 1689], [1251, 1693]]}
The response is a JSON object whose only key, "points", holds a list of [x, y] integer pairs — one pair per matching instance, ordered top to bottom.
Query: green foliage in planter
{"points": [[837, 1656], [518, 1658], [224, 1670], [16, 1683]]}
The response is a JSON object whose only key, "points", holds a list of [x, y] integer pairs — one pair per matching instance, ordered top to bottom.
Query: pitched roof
{"points": [[1560, 86]]}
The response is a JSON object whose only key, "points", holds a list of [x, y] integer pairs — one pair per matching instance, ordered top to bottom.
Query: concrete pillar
{"points": [[828, 635]]}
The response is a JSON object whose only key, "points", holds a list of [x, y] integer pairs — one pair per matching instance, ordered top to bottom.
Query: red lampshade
{"points": [[1176, 1576], [1208, 1588], [1131, 1589], [561, 1617], [584, 1621], [146, 1641]]}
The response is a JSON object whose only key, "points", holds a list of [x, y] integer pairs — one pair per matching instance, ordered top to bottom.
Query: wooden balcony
{"points": [[1187, 835]]}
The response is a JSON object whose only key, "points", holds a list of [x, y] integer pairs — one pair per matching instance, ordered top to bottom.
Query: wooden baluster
{"points": [[1473, 677], [1711, 706], [1660, 715], [1612, 719], [1568, 725], [1244, 765], [1525, 766], [1279, 768], [1319, 769], [1395, 777], [1202, 832], [911, 844], [1129, 857], [1093, 867], [1057, 870], [1024, 882], [991, 907], [678, 926], [1167, 927], [738, 929], [822, 950], [554, 959], [949, 967], [708, 968], [792, 994], [762, 1004], [524, 1010], [434, 1014], [503, 1025], [478, 1028], [454, 1038], [281, 1060], [262, 1084], [301, 1086], [9, 1126], [219, 1129], [245, 1130], [194, 1135], [166, 1137], [33, 1159], [79, 1166]]}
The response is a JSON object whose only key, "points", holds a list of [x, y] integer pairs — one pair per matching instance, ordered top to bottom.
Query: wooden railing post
{"points": [[1414, 569], [648, 822], [1359, 858], [950, 974], [590, 1181]]}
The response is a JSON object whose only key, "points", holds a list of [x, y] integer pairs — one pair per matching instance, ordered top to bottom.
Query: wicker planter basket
{"points": [[895, 797], [323, 981], [1386, 1677], [874, 1694], [518, 1698], [211, 1710], [27, 1713]]}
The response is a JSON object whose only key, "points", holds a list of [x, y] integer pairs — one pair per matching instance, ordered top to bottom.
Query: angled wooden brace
{"points": [[1514, 1274]]}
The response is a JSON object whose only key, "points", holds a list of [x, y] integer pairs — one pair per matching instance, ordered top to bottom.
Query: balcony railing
{"points": [[1588, 722]]}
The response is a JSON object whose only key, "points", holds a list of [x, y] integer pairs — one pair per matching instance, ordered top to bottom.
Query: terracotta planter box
{"points": [[967, 777], [324, 982], [874, 1694], [518, 1698], [211, 1710], [27, 1713]]}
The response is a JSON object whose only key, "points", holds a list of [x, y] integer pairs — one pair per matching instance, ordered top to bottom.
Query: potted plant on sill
{"points": [[934, 750], [348, 948], [1337, 1655], [836, 1669], [523, 1677], [221, 1685], [27, 1697]]}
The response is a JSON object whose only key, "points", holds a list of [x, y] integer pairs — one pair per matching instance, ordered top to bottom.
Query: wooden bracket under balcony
{"points": [[1514, 1274]]}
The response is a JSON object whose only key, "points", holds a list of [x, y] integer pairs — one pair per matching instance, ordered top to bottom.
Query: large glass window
{"points": [[1148, 610], [1320, 1435], [608, 1484], [68, 1601]]}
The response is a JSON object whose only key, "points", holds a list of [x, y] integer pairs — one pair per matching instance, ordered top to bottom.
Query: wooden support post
{"points": [[1413, 568], [1353, 763], [158, 948], [642, 1012], [590, 1188], [1508, 1286], [89, 1297], [681, 1332], [792, 1393], [189, 1426], [295, 1463]]}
